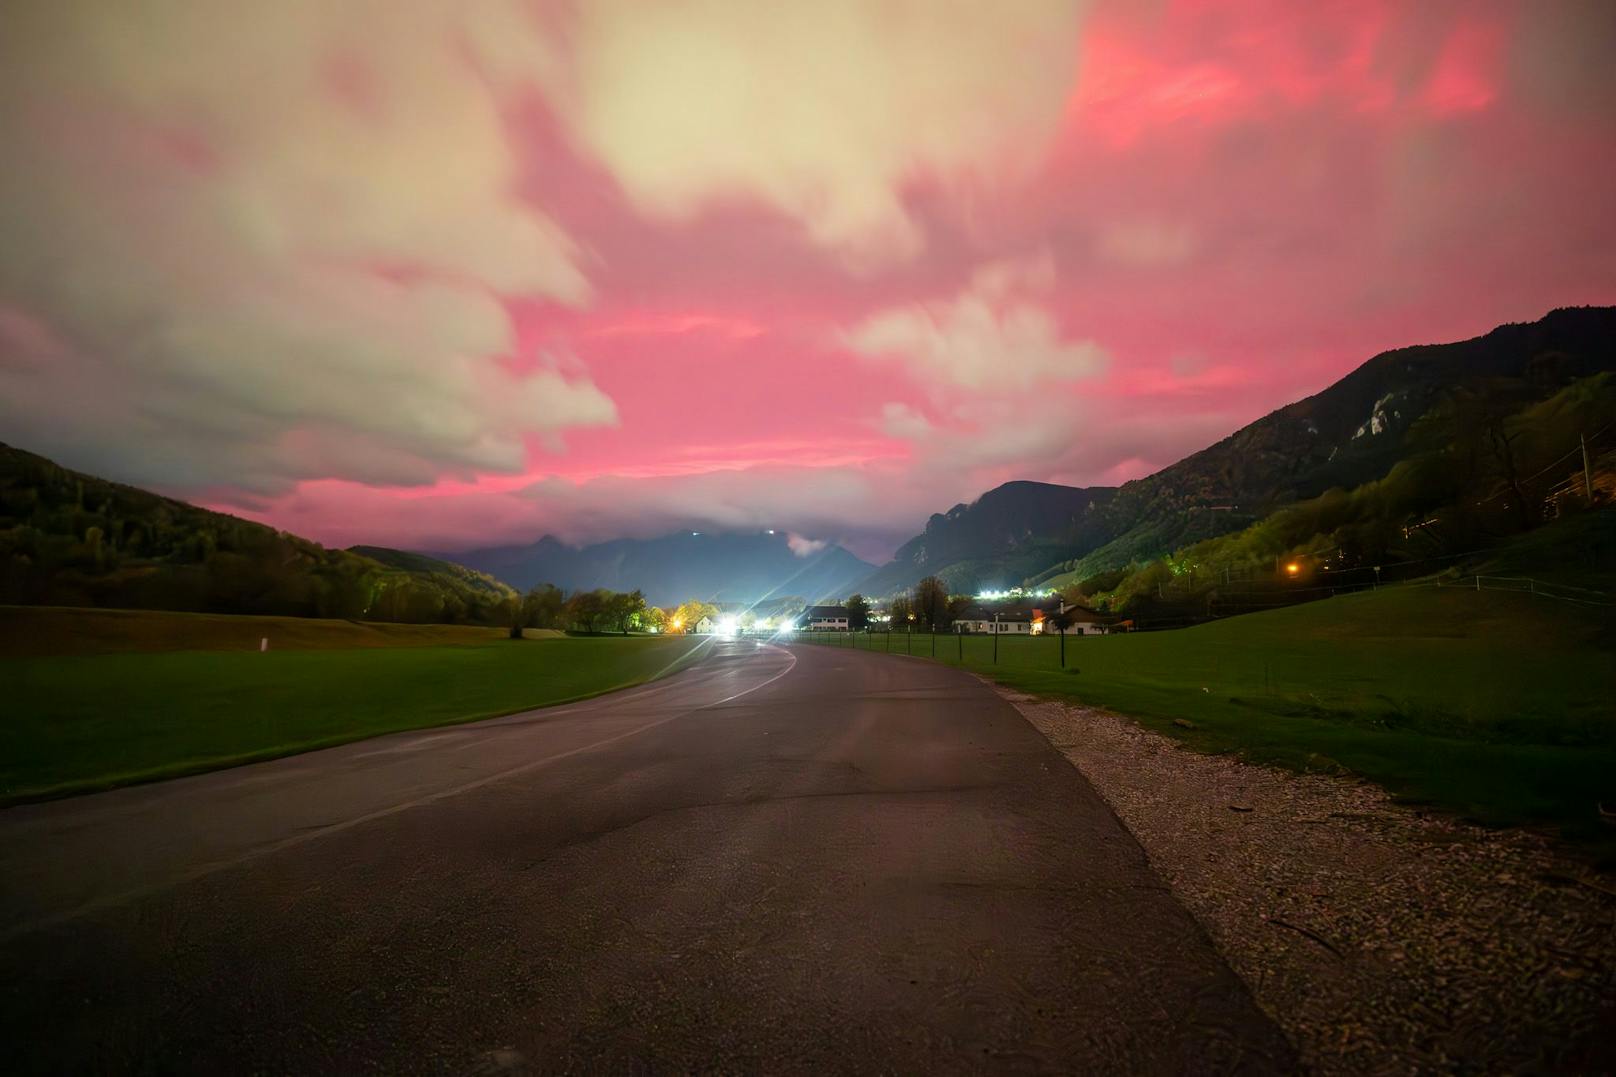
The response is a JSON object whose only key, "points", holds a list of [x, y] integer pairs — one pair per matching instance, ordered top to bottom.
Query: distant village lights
{"points": [[1014, 592]]}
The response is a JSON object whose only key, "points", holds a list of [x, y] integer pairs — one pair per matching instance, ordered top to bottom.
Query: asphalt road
{"points": [[795, 859]]}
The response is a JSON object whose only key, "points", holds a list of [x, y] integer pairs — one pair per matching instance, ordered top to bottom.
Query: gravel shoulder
{"points": [[1380, 939]]}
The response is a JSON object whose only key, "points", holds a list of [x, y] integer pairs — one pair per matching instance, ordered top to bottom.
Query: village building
{"points": [[824, 619]]}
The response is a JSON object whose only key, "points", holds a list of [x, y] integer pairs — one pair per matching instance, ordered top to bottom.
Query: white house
{"points": [[824, 619], [1014, 622]]}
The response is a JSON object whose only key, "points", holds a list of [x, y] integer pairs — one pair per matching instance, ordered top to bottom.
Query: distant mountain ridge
{"points": [[1346, 434], [1008, 533], [713, 567]]}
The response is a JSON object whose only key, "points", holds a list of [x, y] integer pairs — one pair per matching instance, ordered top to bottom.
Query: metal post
{"points": [[1587, 471], [961, 635], [909, 638], [995, 638], [934, 641], [1063, 646]]}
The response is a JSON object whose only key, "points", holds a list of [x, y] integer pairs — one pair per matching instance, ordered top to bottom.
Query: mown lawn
{"points": [[30, 631], [1500, 707], [79, 722]]}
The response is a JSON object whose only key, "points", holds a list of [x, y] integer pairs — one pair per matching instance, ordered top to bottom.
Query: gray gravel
{"points": [[1379, 938]]}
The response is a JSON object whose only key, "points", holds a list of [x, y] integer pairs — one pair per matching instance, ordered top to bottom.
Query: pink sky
{"points": [[475, 273]]}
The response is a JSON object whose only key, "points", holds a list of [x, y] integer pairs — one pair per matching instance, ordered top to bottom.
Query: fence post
{"points": [[1478, 583], [961, 634], [934, 641], [1063, 646]]}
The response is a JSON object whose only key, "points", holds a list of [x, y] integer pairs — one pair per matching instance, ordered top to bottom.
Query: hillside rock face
{"points": [[1349, 433], [1003, 535], [744, 568]]}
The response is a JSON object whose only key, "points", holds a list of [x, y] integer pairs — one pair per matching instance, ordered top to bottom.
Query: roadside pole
{"points": [[1587, 471], [960, 632], [909, 639], [995, 639], [934, 641], [1063, 646]]}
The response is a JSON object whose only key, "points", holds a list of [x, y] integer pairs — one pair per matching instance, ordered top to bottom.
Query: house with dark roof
{"points": [[823, 619], [1032, 619], [1005, 620]]}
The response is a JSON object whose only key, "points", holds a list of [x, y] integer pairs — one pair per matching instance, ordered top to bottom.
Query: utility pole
{"points": [[1587, 470]]}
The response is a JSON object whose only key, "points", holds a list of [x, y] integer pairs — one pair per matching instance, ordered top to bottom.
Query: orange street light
{"points": [[1293, 568]]}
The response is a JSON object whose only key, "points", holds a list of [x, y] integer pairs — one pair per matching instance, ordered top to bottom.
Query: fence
{"points": [[1563, 592]]}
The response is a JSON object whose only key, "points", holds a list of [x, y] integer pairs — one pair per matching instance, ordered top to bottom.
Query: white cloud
{"points": [[823, 111], [267, 242], [992, 336], [899, 420], [805, 547]]}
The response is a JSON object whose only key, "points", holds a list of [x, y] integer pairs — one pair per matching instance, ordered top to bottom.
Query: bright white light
{"points": [[771, 530], [693, 534], [727, 626]]}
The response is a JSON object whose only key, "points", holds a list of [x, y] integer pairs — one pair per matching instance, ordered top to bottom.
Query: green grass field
{"points": [[33, 631], [1493, 705], [76, 722]]}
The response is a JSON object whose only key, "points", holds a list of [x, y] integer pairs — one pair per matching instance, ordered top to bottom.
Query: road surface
{"points": [[799, 859]]}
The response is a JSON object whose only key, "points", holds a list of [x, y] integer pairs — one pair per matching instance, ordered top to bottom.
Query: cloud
{"points": [[825, 112], [273, 242], [1146, 243], [990, 336], [899, 420], [805, 547]]}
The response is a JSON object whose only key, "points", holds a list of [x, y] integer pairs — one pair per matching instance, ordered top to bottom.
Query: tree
{"points": [[931, 603], [545, 604], [539, 608], [586, 610], [624, 610], [902, 611], [858, 612], [690, 613], [655, 618]]}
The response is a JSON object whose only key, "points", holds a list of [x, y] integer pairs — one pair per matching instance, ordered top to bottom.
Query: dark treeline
{"points": [[69, 539], [600, 610]]}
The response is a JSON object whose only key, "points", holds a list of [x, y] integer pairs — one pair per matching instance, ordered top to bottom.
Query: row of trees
{"points": [[928, 607], [600, 610]]}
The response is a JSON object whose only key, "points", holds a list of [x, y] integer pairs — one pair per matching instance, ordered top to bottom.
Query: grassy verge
{"points": [[33, 631], [1493, 705], [80, 722]]}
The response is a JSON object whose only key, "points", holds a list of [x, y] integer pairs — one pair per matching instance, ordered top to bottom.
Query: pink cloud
{"points": [[446, 282]]}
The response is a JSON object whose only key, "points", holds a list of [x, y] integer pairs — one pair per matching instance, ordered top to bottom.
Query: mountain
{"points": [[1352, 432], [1008, 533], [71, 539], [743, 568]]}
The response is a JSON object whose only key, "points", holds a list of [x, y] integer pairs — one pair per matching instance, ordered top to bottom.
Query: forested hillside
{"points": [[1483, 470], [71, 539]]}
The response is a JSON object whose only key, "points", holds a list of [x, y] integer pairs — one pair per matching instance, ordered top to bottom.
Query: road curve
{"points": [[785, 859]]}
